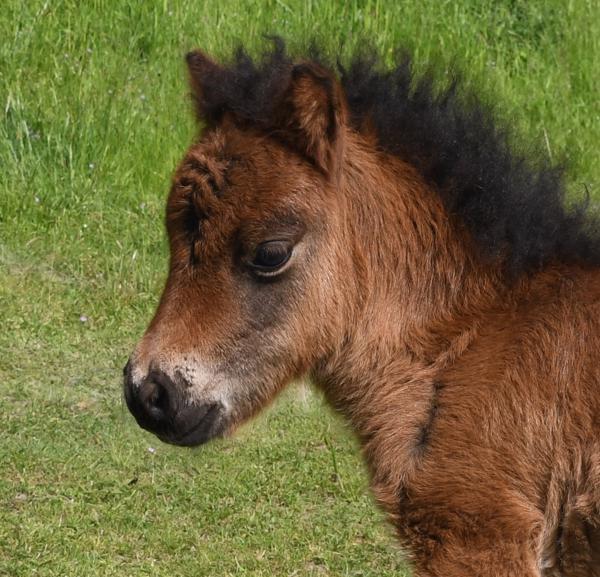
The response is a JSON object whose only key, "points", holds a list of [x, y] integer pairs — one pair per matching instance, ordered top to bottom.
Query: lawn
{"points": [[94, 116]]}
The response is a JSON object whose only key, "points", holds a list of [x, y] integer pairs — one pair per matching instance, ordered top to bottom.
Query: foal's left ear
{"points": [[313, 113]]}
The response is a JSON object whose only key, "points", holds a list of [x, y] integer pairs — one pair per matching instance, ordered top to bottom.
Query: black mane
{"points": [[513, 204]]}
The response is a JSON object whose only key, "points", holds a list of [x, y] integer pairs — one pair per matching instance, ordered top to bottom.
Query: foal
{"points": [[380, 237]]}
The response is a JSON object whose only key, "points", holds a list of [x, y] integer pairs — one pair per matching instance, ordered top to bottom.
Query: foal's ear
{"points": [[203, 71], [313, 113]]}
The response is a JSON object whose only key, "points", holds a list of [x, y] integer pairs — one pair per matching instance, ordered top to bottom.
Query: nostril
{"points": [[160, 398], [155, 399], [154, 402]]}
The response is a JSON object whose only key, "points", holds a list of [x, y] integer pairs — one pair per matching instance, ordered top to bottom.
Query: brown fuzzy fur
{"points": [[476, 397]]}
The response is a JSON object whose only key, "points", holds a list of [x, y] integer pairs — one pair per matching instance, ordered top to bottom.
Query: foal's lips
{"points": [[196, 426]]}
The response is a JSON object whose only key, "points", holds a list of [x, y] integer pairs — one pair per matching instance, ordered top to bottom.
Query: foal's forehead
{"points": [[242, 169]]}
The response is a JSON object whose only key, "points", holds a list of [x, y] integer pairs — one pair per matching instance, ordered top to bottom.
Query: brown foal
{"points": [[378, 235]]}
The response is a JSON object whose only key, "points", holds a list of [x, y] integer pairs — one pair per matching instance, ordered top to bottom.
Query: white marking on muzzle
{"points": [[202, 382]]}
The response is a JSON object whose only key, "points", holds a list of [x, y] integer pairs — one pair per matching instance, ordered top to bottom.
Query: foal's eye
{"points": [[271, 256]]}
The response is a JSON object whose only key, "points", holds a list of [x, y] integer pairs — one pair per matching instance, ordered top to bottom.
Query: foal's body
{"points": [[432, 285]]}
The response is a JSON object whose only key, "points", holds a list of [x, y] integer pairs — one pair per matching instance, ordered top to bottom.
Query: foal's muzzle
{"points": [[159, 406]]}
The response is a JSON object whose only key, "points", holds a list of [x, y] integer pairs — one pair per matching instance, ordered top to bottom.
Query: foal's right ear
{"points": [[203, 71], [313, 113]]}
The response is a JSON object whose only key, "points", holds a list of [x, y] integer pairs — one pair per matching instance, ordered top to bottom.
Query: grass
{"points": [[94, 119]]}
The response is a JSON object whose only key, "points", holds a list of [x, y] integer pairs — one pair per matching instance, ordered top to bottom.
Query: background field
{"points": [[94, 116]]}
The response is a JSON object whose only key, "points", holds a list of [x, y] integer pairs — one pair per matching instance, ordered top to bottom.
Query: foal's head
{"points": [[253, 219]]}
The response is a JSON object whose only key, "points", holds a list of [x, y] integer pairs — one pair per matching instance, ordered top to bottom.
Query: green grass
{"points": [[94, 118]]}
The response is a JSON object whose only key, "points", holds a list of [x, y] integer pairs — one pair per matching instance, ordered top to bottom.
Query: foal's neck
{"points": [[419, 274], [420, 293]]}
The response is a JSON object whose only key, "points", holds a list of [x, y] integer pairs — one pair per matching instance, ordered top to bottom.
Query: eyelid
{"points": [[273, 273]]}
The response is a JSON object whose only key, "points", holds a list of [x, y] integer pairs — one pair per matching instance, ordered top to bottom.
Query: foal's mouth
{"points": [[199, 427]]}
